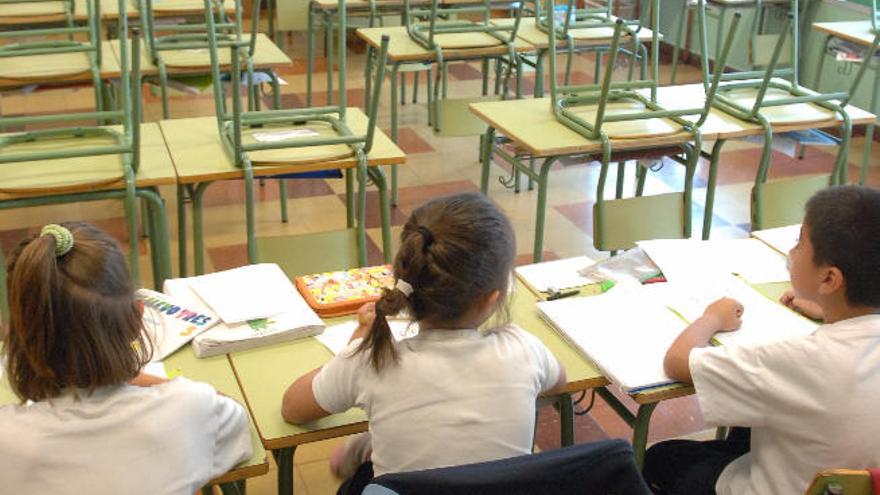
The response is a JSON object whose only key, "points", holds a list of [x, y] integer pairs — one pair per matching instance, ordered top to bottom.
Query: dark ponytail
{"points": [[453, 250]]}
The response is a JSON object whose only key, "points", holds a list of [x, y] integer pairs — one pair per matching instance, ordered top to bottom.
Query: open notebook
{"points": [[781, 239], [691, 259], [281, 316], [170, 323], [624, 332]]}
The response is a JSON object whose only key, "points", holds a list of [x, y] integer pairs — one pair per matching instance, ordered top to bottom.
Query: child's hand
{"points": [[803, 306], [726, 312], [366, 315]]}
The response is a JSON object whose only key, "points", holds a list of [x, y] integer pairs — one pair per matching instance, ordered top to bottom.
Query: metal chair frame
{"points": [[231, 124]]}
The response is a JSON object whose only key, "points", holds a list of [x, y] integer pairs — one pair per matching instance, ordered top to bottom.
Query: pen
{"points": [[559, 295]]}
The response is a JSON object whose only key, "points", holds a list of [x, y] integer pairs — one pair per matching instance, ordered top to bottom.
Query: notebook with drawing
{"points": [[295, 319], [170, 323], [624, 332]]}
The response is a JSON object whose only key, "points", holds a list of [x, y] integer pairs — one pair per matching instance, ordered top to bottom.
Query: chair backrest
{"points": [[571, 17], [875, 17], [424, 32], [564, 97], [231, 123], [126, 143], [591, 468], [841, 482]]}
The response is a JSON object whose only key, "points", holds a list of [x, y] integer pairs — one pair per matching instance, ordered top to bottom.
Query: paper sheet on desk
{"points": [[781, 239], [688, 259], [559, 274], [763, 320], [623, 331], [336, 337]]}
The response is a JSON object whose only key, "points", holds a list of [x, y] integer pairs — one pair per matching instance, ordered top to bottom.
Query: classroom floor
{"points": [[435, 167]]}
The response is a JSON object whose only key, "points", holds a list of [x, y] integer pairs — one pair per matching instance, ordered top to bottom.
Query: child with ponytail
{"points": [[454, 394], [89, 421]]}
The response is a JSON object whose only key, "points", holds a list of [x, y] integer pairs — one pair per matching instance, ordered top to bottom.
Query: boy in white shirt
{"points": [[811, 402]]}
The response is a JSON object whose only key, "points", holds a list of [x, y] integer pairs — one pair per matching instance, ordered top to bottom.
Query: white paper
{"points": [[271, 137], [782, 239], [688, 259], [558, 274], [250, 292], [763, 320], [298, 321], [622, 331], [336, 338], [156, 368]]}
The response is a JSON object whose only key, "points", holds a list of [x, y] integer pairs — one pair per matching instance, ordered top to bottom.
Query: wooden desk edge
{"points": [[243, 473]]}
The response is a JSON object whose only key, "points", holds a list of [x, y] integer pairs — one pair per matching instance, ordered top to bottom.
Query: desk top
{"points": [[52, 12], [858, 32], [598, 36], [402, 48], [267, 55], [44, 72], [530, 123], [199, 155], [86, 174], [217, 372], [264, 387]]}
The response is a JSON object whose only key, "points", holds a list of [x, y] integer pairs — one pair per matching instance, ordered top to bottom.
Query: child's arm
{"points": [[803, 306], [722, 315], [561, 382], [299, 404]]}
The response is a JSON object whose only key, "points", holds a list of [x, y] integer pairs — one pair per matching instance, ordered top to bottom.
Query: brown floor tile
{"points": [[465, 72], [409, 140]]}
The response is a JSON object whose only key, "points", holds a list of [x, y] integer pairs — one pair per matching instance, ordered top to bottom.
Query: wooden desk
{"points": [[860, 33], [267, 56], [31, 73], [534, 131], [200, 159], [92, 178], [218, 373], [264, 387]]}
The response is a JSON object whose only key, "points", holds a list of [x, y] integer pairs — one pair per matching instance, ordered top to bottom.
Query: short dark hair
{"points": [[844, 228], [453, 250], [74, 321]]}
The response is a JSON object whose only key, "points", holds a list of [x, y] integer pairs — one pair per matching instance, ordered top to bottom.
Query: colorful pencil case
{"points": [[343, 292]]}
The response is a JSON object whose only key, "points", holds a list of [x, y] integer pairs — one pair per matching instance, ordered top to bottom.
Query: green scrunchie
{"points": [[63, 238]]}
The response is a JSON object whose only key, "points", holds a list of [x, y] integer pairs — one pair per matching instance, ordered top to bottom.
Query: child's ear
{"points": [[832, 281], [490, 299], [139, 308]]}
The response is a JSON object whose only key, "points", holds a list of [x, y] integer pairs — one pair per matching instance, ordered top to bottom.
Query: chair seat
{"points": [[186, 6], [31, 9], [460, 41], [55, 66], [798, 113], [633, 129], [298, 156], [59, 176]]}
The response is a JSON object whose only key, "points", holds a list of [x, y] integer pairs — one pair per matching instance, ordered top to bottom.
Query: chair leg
{"points": [[282, 196]]}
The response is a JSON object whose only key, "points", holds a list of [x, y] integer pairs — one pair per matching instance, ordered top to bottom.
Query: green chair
{"points": [[436, 28], [184, 47], [41, 55], [875, 94], [774, 97], [617, 112], [306, 135], [71, 162], [841, 482]]}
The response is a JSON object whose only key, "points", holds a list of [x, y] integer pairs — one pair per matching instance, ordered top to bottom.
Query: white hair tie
{"points": [[404, 286]]}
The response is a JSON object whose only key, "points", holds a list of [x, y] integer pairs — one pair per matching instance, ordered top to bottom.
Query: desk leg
{"points": [[310, 54], [395, 68], [539, 74], [869, 129], [486, 158], [378, 178], [710, 187], [196, 195], [282, 196], [542, 208], [181, 228], [566, 420], [638, 422], [284, 460], [233, 488]]}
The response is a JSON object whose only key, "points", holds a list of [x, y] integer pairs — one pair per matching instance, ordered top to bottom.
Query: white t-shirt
{"points": [[455, 396], [813, 403], [170, 438]]}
